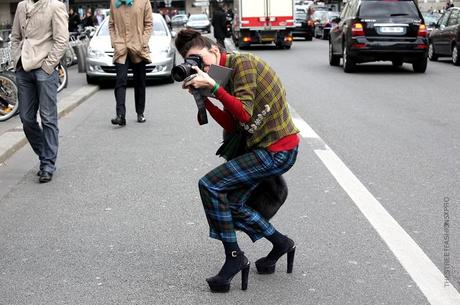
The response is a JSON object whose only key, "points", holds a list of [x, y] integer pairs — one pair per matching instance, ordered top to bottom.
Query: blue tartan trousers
{"points": [[225, 189]]}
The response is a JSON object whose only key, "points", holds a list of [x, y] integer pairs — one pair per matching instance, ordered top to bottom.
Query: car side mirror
{"points": [[173, 34]]}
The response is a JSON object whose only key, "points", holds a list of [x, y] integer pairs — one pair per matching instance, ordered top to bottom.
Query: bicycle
{"points": [[63, 75], [8, 89], [9, 103]]}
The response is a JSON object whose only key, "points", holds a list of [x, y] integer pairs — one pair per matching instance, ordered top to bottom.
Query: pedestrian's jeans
{"points": [[139, 86], [38, 92]]}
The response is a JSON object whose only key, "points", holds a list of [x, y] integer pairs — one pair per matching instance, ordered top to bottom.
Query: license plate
{"points": [[392, 29], [267, 38]]}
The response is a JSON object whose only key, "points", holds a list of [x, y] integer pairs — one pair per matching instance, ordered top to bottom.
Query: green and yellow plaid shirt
{"points": [[256, 84]]}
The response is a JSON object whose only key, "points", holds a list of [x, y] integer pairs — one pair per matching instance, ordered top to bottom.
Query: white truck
{"points": [[263, 22]]}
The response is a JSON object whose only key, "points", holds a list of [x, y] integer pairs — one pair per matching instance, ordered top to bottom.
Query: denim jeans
{"points": [[38, 92]]}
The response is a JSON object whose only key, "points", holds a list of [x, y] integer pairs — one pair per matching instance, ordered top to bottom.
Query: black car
{"points": [[304, 26], [379, 30], [445, 37]]}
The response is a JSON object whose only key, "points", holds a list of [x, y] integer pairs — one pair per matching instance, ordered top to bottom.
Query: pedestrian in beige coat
{"points": [[130, 27]]}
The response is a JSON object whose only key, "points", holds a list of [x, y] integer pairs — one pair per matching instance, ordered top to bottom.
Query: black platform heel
{"points": [[290, 260], [265, 265], [219, 283]]}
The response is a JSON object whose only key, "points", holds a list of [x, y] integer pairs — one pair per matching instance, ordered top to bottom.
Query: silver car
{"points": [[179, 20], [199, 22], [99, 61]]}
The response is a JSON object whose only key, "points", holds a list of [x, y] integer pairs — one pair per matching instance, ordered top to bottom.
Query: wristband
{"points": [[215, 88]]}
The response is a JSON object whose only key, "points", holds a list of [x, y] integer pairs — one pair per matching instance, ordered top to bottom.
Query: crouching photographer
{"points": [[261, 143]]}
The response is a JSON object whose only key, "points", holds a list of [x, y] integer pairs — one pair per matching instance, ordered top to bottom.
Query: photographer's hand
{"points": [[201, 80]]}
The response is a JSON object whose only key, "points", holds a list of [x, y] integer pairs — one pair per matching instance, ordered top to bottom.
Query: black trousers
{"points": [[220, 42], [122, 82]]}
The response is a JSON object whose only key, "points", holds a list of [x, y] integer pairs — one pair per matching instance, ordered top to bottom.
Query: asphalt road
{"points": [[122, 223]]}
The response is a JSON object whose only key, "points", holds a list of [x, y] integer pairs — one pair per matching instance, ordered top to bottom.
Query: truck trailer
{"points": [[263, 22]]}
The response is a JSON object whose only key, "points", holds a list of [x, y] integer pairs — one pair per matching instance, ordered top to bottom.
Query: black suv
{"points": [[303, 25], [379, 30], [444, 39]]}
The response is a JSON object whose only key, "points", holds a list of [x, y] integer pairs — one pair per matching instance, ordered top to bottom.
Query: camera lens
{"points": [[181, 72]]}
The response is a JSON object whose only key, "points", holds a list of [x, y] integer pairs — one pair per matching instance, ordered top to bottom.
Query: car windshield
{"points": [[388, 9], [299, 15], [319, 15], [332, 15], [178, 17], [198, 17], [430, 19], [158, 28]]}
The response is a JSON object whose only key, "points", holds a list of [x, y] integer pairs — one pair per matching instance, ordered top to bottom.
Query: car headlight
{"points": [[165, 51], [95, 53]]}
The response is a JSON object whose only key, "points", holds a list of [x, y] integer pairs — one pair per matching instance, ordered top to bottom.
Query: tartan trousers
{"points": [[225, 189]]}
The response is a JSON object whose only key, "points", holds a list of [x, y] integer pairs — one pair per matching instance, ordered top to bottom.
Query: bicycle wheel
{"points": [[62, 71], [8, 96]]}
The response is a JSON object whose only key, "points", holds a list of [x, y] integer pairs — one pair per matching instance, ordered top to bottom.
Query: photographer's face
{"points": [[209, 56]]}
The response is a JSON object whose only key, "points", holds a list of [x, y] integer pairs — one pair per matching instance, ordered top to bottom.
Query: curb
{"points": [[14, 139]]}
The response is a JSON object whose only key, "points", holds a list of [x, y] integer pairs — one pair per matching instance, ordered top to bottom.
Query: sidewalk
{"points": [[77, 91]]}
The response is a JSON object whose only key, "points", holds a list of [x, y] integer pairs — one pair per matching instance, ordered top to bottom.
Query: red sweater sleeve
{"points": [[233, 105], [222, 117]]}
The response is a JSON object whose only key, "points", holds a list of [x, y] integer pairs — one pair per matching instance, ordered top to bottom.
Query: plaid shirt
{"points": [[256, 84]]}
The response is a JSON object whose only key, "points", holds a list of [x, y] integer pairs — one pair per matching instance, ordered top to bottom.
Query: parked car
{"points": [[179, 20], [199, 22], [324, 23], [303, 26], [379, 30], [445, 38], [99, 61]]}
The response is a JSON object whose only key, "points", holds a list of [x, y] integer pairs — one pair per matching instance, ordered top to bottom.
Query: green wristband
{"points": [[215, 88]]}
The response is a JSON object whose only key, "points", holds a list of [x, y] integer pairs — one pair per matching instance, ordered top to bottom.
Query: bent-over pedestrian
{"points": [[254, 104]]}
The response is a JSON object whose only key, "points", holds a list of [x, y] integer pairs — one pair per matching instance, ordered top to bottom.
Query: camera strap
{"points": [[199, 100]]}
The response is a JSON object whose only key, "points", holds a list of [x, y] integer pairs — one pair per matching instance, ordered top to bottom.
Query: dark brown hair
{"points": [[187, 39]]}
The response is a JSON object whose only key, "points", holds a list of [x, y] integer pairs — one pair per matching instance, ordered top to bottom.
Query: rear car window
{"points": [[388, 9]]}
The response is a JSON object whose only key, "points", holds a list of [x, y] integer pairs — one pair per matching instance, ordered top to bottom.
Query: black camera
{"points": [[182, 71]]}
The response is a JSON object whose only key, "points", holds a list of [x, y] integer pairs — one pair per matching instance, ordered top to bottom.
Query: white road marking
{"points": [[428, 277]]}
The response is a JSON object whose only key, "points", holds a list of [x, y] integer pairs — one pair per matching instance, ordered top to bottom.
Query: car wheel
{"points": [[323, 35], [431, 54], [455, 57], [334, 60], [397, 63], [348, 64], [420, 66], [91, 80]]}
